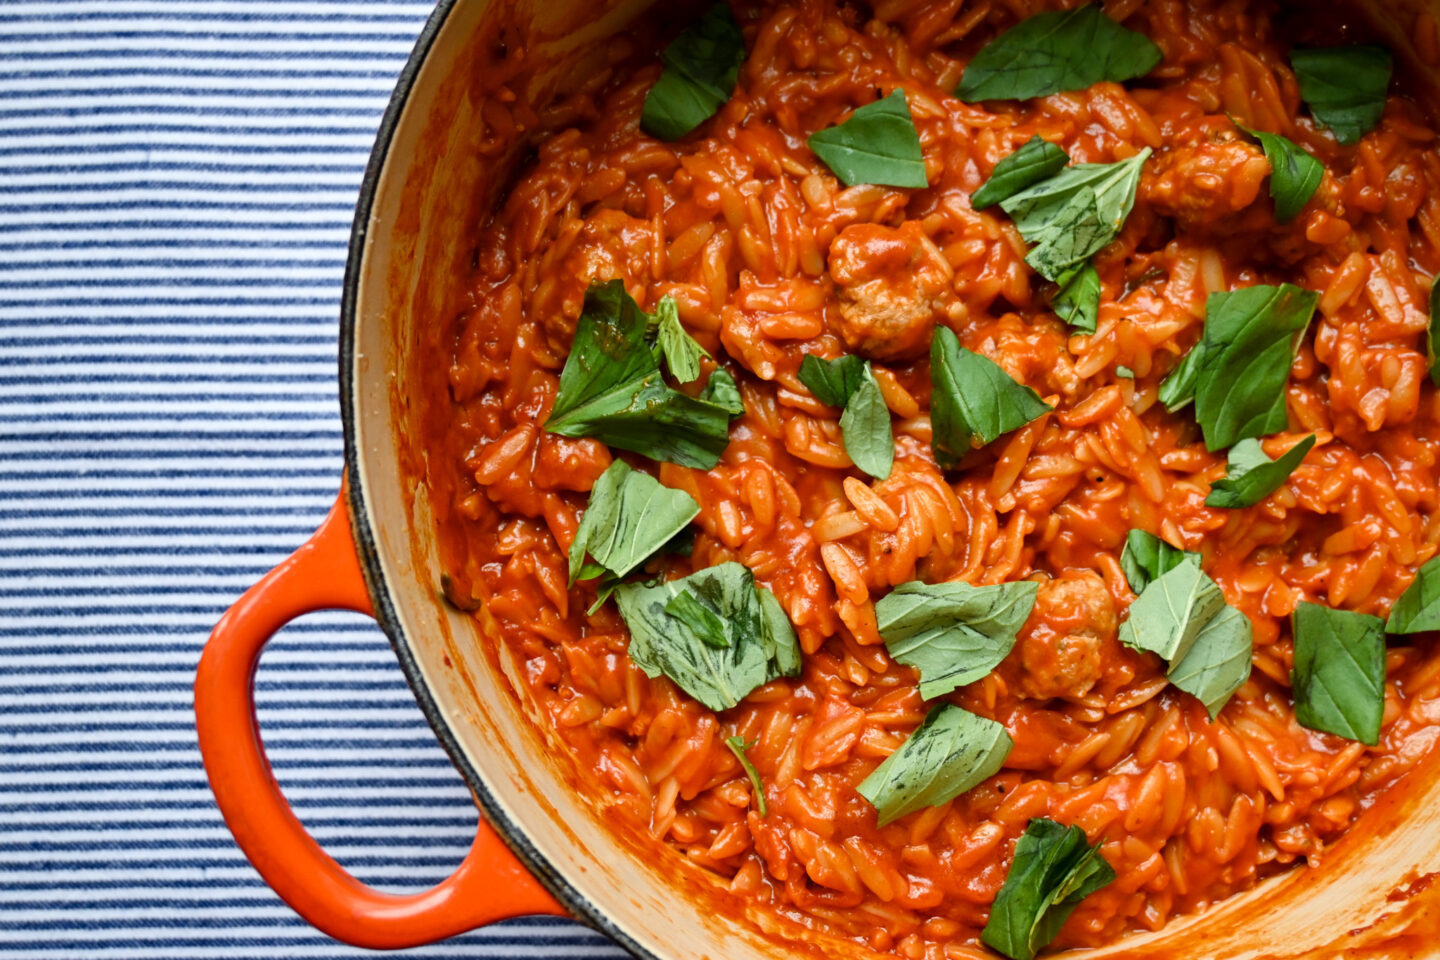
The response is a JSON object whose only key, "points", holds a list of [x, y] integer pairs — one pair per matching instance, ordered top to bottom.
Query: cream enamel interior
{"points": [[436, 185]]}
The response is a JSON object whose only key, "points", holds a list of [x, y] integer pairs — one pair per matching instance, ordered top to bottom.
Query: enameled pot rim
{"points": [[540, 867]]}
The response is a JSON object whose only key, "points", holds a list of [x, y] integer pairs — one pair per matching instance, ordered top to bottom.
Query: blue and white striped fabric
{"points": [[176, 184]]}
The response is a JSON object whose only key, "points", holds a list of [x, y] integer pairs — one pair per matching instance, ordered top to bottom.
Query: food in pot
{"points": [[965, 474]]}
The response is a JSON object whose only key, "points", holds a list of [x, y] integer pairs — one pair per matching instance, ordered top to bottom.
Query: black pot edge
{"points": [[515, 838]]}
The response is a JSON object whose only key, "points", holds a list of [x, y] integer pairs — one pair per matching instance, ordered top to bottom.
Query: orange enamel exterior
{"points": [[490, 884]]}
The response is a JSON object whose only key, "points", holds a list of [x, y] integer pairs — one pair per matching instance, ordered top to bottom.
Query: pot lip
{"points": [[535, 862]]}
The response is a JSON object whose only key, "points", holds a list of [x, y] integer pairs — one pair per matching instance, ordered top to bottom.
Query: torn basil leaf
{"points": [[1055, 52], [701, 67], [1344, 87], [877, 144], [1035, 161], [1294, 174], [1076, 213], [1077, 302], [1250, 338], [609, 350], [682, 354], [1239, 375], [832, 381], [611, 389], [1177, 390], [722, 391], [972, 396], [865, 421], [865, 428], [1251, 476], [631, 515], [680, 545], [1146, 557], [604, 590], [1418, 609], [1171, 611], [1180, 614], [704, 622], [953, 633], [758, 646], [1219, 660], [1339, 675], [738, 746], [952, 751], [1054, 868]]}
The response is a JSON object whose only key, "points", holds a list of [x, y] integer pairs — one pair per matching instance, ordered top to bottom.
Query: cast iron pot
{"points": [[448, 139]]}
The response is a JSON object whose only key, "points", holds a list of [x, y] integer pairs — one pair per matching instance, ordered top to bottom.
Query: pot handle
{"points": [[490, 885]]}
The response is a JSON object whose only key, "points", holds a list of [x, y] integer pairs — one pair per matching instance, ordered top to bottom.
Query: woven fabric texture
{"points": [[177, 179]]}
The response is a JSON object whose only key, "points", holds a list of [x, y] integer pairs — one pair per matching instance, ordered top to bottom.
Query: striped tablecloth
{"points": [[176, 184]]}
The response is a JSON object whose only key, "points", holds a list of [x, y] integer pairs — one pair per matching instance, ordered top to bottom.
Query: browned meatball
{"points": [[1204, 183], [611, 244], [893, 283], [1062, 651]]}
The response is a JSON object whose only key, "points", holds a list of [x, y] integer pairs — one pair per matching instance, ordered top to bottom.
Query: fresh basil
{"points": [[1055, 52], [701, 67], [1344, 87], [877, 144], [1037, 160], [1040, 166], [1294, 174], [1076, 213], [1077, 302], [1432, 333], [1250, 338], [609, 350], [682, 354], [1238, 371], [832, 381], [611, 389], [721, 390], [1177, 390], [972, 396], [865, 422], [865, 428], [1251, 476], [630, 516], [680, 545], [1146, 557], [1418, 609], [1171, 611], [1180, 614], [704, 622], [953, 633], [758, 641], [1219, 660], [1339, 675], [738, 746], [952, 751], [1054, 868]]}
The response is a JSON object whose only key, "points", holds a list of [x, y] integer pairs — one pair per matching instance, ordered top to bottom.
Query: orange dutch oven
{"points": [[445, 146]]}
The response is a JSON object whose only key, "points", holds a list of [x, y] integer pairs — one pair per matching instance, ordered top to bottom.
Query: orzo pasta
{"points": [[769, 257]]}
